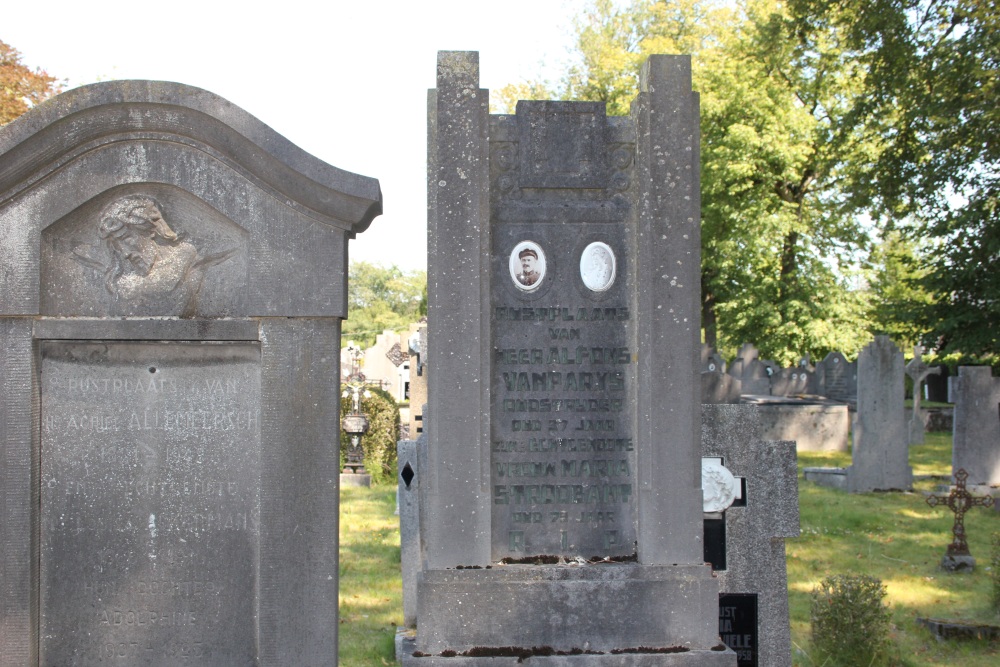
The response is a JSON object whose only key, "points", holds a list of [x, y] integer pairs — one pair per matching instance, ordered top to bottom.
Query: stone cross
{"points": [[918, 372], [959, 501]]}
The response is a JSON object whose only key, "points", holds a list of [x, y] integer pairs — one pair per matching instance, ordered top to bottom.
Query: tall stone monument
{"points": [[172, 283], [561, 508]]}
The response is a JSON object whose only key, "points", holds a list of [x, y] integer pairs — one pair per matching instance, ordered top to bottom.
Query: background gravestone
{"points": [[172, 283], [563, 310], [918, 372], [837, 378], [976, 395], [880, 455], [753, 582]]}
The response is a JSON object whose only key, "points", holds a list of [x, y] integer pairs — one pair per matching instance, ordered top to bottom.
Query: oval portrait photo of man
{"points": [[527, 266]]}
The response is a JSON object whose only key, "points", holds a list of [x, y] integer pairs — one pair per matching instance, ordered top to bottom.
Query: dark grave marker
{"points": [[957, 557], [738, 626]]}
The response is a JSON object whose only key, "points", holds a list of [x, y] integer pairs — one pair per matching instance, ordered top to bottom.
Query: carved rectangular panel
{"points": [[563, 144], [563, 451], [150, 503]]}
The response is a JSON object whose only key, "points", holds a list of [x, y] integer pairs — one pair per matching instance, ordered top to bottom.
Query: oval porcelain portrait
{"points": [[527, 266], [597, 266]]}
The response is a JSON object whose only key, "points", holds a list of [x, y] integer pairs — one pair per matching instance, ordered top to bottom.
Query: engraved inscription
{"points": [[562, 455], [150, 469]]}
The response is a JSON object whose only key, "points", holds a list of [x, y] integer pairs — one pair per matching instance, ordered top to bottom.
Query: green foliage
{"points": [[20, 86], [931, 93], [822, 122], [781, 244], [897, 289], [381, 298], [379, 444], [850, 623]]}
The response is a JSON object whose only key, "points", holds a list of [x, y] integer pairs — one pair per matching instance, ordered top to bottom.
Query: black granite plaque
{"points": [[562, 450], [150, 503], [715, 543], [738, 626]]}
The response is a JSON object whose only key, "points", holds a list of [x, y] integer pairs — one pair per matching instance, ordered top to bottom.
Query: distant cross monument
{"points": [[918, 372], [959, 501]]}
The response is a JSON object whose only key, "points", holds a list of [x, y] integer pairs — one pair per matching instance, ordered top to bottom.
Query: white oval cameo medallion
{"points": [[597, 266], [718, 486]]}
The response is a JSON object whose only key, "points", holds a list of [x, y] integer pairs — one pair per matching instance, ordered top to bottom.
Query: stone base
{"points": [[835, 478], [355, 479], [958, 564], [597, 607], [949, 629], [722, 656]]}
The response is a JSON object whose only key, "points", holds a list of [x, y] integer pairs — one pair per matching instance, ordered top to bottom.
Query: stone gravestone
{"points": [[172, 288], [756, 378], [837, 378], [717, 386], [976, 436], [408, 455], [880, 457], [560, 499], [753, 583]]}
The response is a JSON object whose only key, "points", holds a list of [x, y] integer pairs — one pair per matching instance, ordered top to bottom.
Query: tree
{"points": [[21, 87], [932, 94], [782, 246], [897, 289], [380, 298]]}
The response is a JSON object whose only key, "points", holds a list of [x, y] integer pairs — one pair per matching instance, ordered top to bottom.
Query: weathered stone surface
{"points": [[172, 280], [563, 315], [814, 427], [976, 436], [880, 457], [408, 458], [150, 502], [756, 530], [463, 609]]}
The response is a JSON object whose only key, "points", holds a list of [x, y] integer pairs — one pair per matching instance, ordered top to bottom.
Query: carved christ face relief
{"points": [[145, 259]]}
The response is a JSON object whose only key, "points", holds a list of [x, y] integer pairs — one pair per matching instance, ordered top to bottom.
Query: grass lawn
{"points": [[896, 537], [371, 588]]}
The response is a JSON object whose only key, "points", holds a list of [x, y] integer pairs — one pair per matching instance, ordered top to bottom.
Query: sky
{"points": [[345, 81]]}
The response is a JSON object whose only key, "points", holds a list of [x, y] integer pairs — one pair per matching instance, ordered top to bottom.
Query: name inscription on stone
{"points": [[562, 451], [150, 503], [738, 626]]}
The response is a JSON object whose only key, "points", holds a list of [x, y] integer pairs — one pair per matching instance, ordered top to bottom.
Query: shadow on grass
{"points": [[898, 538]]}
